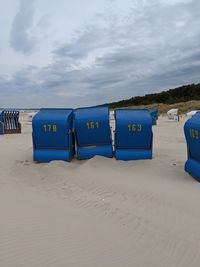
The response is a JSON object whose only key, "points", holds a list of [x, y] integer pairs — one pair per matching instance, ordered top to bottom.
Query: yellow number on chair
{"points": [[92, 125], [134, 127], [139, 127], [50, 128], [54, 128], [194, 134]]}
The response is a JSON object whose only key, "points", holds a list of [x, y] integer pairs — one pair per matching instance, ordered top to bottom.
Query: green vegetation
{"points": [[166, 98], [183, 107]]}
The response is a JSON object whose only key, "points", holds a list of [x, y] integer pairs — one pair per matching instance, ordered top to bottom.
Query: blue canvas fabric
{"points": [[154, 115], [1, 123], [92, 132], [133, 134], [52, 135], [192, 135]]}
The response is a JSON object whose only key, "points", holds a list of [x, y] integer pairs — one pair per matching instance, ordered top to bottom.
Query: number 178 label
{"points": [[50, 128]]}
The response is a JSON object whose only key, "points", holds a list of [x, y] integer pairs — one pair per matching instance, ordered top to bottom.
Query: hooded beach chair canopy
{"points": [[191, 113], [172, 114], [154, 115], [9, 120], [1, 123], [92, 132], [133, 134], [52, 135], [192, 135]]}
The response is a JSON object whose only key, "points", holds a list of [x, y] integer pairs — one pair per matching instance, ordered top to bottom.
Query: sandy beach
{"points": [[99, 212]]}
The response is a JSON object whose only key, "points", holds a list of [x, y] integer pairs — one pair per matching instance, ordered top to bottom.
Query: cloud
{"points": [[21, 39], [157, 47], [117, 55]]}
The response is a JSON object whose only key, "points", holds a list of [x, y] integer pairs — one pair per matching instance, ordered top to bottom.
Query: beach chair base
{"points": [[12, 131], [92, 151], [132, 154], [47, 155], [193, 168]]}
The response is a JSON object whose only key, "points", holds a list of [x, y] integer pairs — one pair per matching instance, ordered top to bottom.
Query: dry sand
{"points": [[99, 212]]}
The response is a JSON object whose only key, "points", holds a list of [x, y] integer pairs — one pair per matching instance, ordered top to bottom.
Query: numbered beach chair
{"points": [[154, 115], [173, 115], [10, 122], [1, 123], [92, 132], [133, 134], [52, 135], [192, 135]]}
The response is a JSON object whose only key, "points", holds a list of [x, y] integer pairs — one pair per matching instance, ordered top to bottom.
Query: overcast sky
{"points": [[68, 53]]}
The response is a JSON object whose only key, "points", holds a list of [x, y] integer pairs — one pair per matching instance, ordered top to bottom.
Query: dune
{"points": [[99, 212]]}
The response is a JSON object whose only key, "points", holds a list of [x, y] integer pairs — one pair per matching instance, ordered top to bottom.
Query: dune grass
{"points": [[183, 107]]}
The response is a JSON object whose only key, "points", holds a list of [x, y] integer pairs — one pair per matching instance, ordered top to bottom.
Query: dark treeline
{"points": [[180, 94]]}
